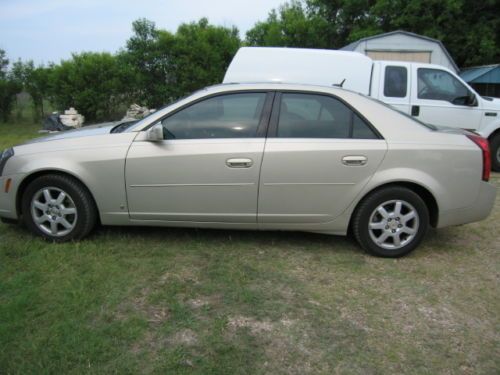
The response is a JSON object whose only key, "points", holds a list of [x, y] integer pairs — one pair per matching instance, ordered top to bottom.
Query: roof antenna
{"points": [[339, 84]]}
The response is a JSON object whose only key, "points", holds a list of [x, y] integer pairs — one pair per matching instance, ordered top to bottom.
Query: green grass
{"points": [[180, 301]]}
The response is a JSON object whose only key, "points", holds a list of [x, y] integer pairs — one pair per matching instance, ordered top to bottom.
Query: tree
{"points": [[291, 26], [470, 30], [200, 56], [167, 66], [36, 82], [94, 83], [9, 88]]}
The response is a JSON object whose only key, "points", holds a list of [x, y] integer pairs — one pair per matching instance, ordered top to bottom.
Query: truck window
{"points": [[395, 81], [437, 84]]}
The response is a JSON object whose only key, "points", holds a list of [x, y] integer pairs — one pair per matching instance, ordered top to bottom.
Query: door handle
{"points": [[415, 110], [354, 160], [239, 163]]}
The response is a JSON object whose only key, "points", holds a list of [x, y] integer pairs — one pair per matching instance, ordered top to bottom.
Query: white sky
{"points": [[49, 30]]}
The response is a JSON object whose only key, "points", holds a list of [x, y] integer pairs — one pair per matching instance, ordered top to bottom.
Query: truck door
{"points": [[396, 84], [440, 98]]}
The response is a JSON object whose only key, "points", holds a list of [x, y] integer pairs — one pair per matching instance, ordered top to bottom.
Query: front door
{"points": [[439, 98], [318, 158], [207, 168]]}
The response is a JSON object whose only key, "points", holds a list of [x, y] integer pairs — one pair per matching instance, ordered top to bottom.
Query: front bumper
{"points": [[8, 208], [480, 210]]}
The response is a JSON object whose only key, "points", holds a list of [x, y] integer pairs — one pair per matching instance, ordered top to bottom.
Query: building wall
{"points": [[406, 47]]}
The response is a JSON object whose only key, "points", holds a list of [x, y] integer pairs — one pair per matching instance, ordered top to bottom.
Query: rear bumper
{"points": [[8, 208], [478, 211]]}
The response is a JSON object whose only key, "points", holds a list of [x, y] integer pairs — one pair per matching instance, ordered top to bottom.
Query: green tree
{"points": [[292, 25], [470, 30], [200, 56], [167, 66], [36, 82], [94, 83], [9, 88]]}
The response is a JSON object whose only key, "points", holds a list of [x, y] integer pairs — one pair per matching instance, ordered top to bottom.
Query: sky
{"points": [[50, 30]]}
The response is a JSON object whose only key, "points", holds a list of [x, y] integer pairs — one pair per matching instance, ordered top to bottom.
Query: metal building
{"points": [[404, 46], [484, 79]]}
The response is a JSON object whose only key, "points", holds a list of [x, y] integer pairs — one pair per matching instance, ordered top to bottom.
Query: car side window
{"points": [[395, 81], [437, 84], [223, 116], [319, 116]]}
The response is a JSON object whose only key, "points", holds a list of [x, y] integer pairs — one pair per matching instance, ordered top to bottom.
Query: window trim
{"points": [[264, 116], [274, 120]]}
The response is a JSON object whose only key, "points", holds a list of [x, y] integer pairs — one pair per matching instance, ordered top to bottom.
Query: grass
{"points": [[180, 301]]}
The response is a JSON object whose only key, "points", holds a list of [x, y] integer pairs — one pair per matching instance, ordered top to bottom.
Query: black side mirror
{"points": [[472, 100]]}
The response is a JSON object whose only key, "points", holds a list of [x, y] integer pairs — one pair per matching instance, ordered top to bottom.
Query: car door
{"points": [[440, 98], [319, 155], [207, 167]]}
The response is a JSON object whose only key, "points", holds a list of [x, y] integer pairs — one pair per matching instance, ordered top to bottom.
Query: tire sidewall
{"points": [[372, 202]]}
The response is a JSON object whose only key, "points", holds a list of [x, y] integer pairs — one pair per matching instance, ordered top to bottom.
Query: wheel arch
{"points": [[44, 172], [423, 192]]}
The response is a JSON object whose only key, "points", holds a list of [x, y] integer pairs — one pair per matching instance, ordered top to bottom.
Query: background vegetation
{"points": [[156, 66]]}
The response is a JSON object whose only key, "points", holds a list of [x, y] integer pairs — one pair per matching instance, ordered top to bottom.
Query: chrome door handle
{"points": [[354, 160], [239, 163]]}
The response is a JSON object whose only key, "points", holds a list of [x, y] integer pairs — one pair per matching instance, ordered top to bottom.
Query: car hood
{"points": [[86, 131]]}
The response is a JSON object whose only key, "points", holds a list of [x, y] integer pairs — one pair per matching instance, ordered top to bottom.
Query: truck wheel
{"points": [[495, 153], [58, 208], [391, 222]]}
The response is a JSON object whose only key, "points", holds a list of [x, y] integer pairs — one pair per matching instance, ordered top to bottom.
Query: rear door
{"points": [[318, 156], [207, 168]]}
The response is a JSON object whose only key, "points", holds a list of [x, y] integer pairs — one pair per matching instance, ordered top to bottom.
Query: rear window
{"points": [[395, 82]]}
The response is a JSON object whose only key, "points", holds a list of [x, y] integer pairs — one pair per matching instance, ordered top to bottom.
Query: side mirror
{"points": [[472, 100], [155, 133]]}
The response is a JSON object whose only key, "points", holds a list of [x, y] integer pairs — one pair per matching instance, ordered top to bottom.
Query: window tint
{"points": [[395, 81], [437, 84], [225, 116], [319, 116]]}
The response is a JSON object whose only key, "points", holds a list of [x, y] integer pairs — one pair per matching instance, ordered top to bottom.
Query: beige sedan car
{"points": [[255, 156]]}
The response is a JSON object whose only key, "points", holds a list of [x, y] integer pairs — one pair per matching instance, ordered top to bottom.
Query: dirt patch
{"points": [[203, 301], [152, 313], [252, 324], [185, 337]]}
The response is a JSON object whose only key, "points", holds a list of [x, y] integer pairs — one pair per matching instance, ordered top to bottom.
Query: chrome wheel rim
{"points": [[498, 154], [54, 211], [393, 224]]}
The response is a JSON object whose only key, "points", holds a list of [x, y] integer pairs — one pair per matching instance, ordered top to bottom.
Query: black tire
{"points": [[495, 153], [86, 212], [366, 212]]}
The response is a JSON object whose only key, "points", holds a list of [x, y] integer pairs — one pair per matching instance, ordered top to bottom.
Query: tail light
{"points": [[485, 148]]}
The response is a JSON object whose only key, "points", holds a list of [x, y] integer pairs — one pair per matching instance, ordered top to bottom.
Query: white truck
{"points": [[430, 93]]}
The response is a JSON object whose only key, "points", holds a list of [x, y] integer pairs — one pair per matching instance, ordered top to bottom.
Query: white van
{"points": [[430, 93]]}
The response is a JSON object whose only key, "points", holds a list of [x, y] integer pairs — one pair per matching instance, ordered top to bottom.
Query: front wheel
{"points": [[58, 208], [391, 222]]}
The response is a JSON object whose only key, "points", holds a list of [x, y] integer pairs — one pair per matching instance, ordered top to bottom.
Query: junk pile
{"points": [[136, 112], [71, 119]]}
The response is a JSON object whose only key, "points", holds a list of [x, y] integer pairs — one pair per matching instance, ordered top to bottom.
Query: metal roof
{"points": [[352, 46], [482, 74]]}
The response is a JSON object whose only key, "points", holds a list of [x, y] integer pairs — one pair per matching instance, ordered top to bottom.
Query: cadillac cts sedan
{"points": [[255, 156]]}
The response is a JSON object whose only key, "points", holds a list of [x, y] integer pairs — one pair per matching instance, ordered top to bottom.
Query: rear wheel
{"points": [[495, 153], [58, 208], [391, 222]]}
